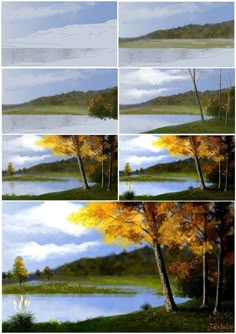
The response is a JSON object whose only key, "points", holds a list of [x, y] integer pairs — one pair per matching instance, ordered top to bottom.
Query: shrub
{"points": [[128, 195], [145, 307], [20, 322]]}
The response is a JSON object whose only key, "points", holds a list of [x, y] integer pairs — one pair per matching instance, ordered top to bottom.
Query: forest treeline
{"points": [[215, 30]]}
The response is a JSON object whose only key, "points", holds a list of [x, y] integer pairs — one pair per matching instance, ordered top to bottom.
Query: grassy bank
{"points": [[179, 43], [47, 110], [161, 110], [212, 125], [168, 176], [34, 178], [94, 193], [191, 194], [61, 288], [189, 318]]}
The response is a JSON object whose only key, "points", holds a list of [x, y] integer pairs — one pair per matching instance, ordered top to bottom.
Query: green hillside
{"points": [[191, 31]]}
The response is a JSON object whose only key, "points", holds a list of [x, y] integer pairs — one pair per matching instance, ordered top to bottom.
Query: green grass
{"points": [[179, 43], [47, 110], [161, 110], [212, 125], [161, 177], [35, 178], [94, 193], [191, 194], [61, 288], [189, 318]]}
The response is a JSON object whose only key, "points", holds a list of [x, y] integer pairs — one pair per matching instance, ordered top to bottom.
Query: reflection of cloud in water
{"points": [[75, 308]]}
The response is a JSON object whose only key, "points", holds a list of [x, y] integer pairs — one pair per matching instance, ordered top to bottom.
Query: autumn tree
{"points": [[104, 106], [186, 146], [111, 148], [10, 169], [127, 169], [134, 223], [19, 270], [47, 272]]}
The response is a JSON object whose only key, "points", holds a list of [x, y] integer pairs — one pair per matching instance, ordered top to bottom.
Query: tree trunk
{"points": [[193, 77], [228, 106], [220, 116], [220, 169], [226, 171], [82, 172], [110, 172], [199, 172], [103, 176], [220, 266], [167, 293], [205, 297]]}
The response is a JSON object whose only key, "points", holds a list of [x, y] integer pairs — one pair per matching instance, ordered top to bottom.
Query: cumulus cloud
{"points": [[22, 143], [48, 218], [34, 251]]}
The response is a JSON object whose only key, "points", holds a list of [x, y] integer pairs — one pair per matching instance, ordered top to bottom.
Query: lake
{"points": [[59, 56], [212, 57], [141, 123], [57, 124], [39, 187], [156, 187], [81, 307]]}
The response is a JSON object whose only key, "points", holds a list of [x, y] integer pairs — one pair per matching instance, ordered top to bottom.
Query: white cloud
{"points": [[28, 12], [143, 12], [15, 79], [142, 93], [22, 143], [138, 144], [22, 160], [138, 161], [47, 218], [36, 252]]}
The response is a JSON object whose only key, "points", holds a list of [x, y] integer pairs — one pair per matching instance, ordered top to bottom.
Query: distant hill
{"points": [[194, 31], [187, 98], [65, 99], [65, 165], [186, 165], [138, 262]]}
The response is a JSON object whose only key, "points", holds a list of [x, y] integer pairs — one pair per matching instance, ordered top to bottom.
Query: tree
{"points": [[192, 73], [104, 106], [68, 146], [184, 146], [111, 148], [10, 169], [127, 169], [131, 223], [19, 270], [47, 272], [38, 273], [4, 275], [9, 275]]}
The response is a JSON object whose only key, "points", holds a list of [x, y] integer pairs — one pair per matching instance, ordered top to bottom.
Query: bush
{"points": [[128, 195], [145, 307], [20, 322]]}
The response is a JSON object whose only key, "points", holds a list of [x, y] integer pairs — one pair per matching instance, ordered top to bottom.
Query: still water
{"points": [[176, 56], [142, 123], [57, 124], [156, 187], [38, 188], [81, 307]]}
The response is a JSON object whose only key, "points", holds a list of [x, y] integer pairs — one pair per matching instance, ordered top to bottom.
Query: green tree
{"points": [[10, 169], [127, 169], [19, 270], [47, 272], [38, 273]]}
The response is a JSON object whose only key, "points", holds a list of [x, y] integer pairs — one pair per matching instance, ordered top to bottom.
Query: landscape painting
{"points": [[54, 34], [172, 34], [154, 100], [82, 101], [59, 167], [169, 167], [118, 267]]}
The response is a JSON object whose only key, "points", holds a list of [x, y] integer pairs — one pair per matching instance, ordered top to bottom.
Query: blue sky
{"points": [[22, 18], [139, 18], [142, 84], [23, 85], [139, 151], [42, 235]]}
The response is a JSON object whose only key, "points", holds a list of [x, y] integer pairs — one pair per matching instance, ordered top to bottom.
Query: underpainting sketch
{"points": [[59, 34], [162, 34]]}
